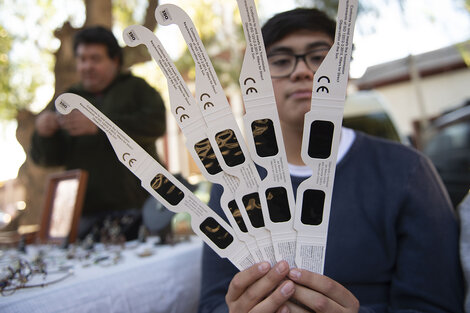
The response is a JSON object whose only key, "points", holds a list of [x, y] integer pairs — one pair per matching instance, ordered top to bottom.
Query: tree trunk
{"points": [[99, 12], [64, 68], [31, 176]]}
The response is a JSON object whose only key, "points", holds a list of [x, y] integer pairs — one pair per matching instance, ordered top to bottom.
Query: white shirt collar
{"points": [[347, 139]]}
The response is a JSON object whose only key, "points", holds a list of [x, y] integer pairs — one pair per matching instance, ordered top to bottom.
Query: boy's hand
{"points": [[260, 289], [320, 294]]}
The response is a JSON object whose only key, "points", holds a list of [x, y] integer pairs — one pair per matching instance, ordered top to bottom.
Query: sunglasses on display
{"points": [[19, 274]]}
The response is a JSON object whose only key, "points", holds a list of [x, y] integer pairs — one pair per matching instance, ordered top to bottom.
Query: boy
{"points": [[393, 236]]}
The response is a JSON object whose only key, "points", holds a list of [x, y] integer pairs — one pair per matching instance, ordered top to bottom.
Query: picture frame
{"points": [[65, 194]]}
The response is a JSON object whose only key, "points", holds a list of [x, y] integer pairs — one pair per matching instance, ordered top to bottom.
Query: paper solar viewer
{"points": [[190, 120], [322, 128], [222, 129], [264, 137], [162, 185]]}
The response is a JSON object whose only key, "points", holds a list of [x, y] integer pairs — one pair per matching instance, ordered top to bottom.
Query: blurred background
{"points": [[409, 78]]}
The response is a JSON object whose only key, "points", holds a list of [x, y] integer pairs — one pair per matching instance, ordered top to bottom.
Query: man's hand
{"points": [[47, 123], [77, 124], [260, 289], [320, 294]]}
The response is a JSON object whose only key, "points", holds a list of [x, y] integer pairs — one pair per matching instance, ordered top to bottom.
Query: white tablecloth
{"points": [[167, 281]]}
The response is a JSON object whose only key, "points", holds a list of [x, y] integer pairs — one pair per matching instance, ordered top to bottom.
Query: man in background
{"points": [[75, 142]]}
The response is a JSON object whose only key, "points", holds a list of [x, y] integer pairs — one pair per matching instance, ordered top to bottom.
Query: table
{"points": [[167, 281]]}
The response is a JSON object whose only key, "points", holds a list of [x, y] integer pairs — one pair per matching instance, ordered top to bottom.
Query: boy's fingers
{"points": [[242, 280], [248, 289], [321, 293], [275, 300], [313, 301], [296, 308]]}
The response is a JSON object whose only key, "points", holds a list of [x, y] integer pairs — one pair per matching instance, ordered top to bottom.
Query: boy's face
{"points": [[94, 66], [293, 93]]}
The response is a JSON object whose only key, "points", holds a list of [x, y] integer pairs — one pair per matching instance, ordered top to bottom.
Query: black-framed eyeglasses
{"points": [[283, 64]]}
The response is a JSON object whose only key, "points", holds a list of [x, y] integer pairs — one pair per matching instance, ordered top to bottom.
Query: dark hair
{"points": [[285, 23], [98, 35]]}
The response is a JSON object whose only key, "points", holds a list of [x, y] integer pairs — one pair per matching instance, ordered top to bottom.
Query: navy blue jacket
{"points": [[392, 238]]}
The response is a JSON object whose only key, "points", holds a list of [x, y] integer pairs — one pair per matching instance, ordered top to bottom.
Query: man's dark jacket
{"points": [[136, 108]]}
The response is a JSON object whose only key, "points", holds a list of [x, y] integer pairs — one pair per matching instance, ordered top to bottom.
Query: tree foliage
{"points": [[331, 6], [366, 6], [47, 26], [27, 46], [19, 78], [15, 92]]}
